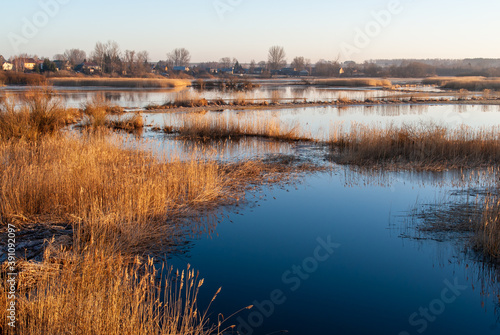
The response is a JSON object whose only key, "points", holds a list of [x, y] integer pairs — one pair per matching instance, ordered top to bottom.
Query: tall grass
{"points": [[16, 78], [121, 82], [353, 82], [467, 83], [36, 114], [208, 126], [424, 146], [487, 230], [99, 292]]}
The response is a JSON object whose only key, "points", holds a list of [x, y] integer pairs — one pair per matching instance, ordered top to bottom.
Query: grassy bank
{"points": [[18, 78], [120, 82], [352, 82], [464, 83], [424, 147]]}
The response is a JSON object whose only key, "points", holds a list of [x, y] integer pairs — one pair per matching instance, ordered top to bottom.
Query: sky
{"points": [[245, 29]]}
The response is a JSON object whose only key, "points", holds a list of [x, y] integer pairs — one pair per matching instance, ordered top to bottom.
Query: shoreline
{"points": [[291, 105]]}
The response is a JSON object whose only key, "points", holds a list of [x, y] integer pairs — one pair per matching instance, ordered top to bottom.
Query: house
{"points": [[24, 64], [29, 64], [4, 65], [62, 65], [161, 67], [88, 68], [180, 68], [227, 70], [258, 70], [289, 71], [304, 73]]}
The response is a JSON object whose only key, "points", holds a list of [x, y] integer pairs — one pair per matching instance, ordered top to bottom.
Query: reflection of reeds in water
{"points": [[276, 96], [424, 146], [236, 149]]}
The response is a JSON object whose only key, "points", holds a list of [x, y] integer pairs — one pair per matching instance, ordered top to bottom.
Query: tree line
{"points": [[111, 60]]}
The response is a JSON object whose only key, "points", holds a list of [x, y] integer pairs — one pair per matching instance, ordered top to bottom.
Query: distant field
{"points": [[121, 82], [353, 82], [468, 83]]}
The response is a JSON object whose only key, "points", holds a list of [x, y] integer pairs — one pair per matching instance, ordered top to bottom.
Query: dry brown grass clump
{"points": [[16, 78], [121, 82], [353, 82], [96, 113], [36, 114], [131, 123], [215, 126], [426, 146], [99, 292]]}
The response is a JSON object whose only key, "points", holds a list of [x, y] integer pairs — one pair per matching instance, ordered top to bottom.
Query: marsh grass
{"points": [[16, 78], [121, 82], [353, 82], [466, 83], [34, 115], [130, 123], [216, 126], [424, 146], [119, 203], [474, 217], [487, 230], [99, 292]]}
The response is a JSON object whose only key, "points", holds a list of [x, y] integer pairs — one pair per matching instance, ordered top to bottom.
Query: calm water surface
{"points": [[369, 281]]}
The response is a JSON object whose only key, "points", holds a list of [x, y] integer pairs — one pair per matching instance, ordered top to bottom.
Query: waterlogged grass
{"points": [[121, 82], [353, 82], [464, 83], [36, 114], [216, 126], [424, 146]]}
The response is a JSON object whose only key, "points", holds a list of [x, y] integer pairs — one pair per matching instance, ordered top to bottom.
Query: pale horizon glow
{"points": [[244, 29]]}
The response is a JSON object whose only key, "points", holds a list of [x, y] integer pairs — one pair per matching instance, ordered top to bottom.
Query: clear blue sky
{"points": [[245, 29]]}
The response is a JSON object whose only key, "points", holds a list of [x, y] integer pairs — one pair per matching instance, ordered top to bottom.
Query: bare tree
{"points": [[99, 54], [75, 56], [107, 56], [59, 57], [179, 57], [276, 58], [136, 63], [225, 63], [300, 63], [252, 66]]}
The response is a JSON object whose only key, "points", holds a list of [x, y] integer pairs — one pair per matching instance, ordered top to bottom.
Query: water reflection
{"points": [[140, 98]]}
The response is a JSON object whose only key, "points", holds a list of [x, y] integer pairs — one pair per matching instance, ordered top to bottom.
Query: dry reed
{"points": [[121, 82], [353, 82], [36, 114], [215, 126], [424, 146]]}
